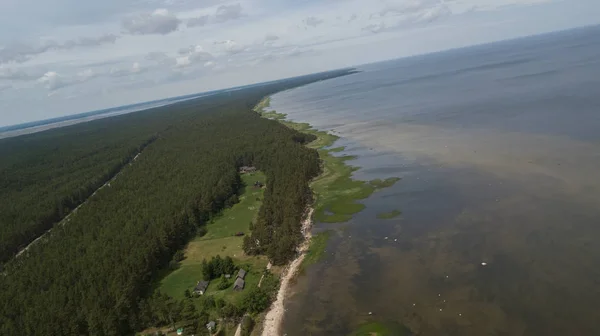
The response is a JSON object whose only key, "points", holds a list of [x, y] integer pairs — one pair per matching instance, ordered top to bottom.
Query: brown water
{"points": [[498, 148]]}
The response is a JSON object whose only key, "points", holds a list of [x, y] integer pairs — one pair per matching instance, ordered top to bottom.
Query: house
{"points": [[247, 169], [241, 274], [227, 276], [239, 284], [200, 288], [211, 326]]}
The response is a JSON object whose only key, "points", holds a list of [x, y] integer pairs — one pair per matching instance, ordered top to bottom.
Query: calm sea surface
{"points": [[498, 148]]}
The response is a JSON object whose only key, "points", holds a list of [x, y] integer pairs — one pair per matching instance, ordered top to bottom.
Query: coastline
{"points": [[335, 201], [274, 317]]}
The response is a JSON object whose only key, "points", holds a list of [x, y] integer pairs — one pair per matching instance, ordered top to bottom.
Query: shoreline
{"points": [[330, 204], [274, 318]]}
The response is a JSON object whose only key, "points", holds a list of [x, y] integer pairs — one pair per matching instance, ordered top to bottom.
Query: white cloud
{"points": [[228, 12], [197, 21], [312, 21], [159, 22], [375, 27], [271, 38], [230, 46], [20, 52], [183, 61], [135, 68], [17, 74], [52, 80]]}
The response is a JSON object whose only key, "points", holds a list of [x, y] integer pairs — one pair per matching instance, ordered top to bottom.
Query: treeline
{"points": [[44, 176], [92, 275]]}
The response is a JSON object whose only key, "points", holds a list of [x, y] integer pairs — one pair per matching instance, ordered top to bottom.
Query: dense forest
{"points": [[93, 275]]}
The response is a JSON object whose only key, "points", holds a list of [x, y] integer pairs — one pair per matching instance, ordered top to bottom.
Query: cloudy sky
{"points": [[59, 57]]}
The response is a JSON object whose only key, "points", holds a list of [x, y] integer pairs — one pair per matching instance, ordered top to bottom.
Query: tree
{"points": [[223, 284], [255, 300], [189, 311], [247, 325]]}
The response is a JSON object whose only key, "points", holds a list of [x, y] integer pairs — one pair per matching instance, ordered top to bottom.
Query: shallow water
{"points": [[498, 148]]}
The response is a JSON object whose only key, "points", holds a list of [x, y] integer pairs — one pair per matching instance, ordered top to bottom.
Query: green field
{"points": [[389, 215], [220, 240]]}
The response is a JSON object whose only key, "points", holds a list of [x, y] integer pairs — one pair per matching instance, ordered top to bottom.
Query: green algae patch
{"points": [[337, 149], [388, 182], [389, 215], [316, 250], [381, 329]]}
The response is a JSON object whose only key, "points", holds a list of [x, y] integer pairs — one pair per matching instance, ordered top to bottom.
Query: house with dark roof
{"points": [[241, 274], [239, 284], [201, 287]]}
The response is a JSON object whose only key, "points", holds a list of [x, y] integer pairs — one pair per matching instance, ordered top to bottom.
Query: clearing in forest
{"points": [[221, 239]]}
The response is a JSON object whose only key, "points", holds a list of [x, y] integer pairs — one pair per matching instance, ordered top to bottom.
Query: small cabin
{"points": [[241, 274], [239, 284], [201, 287], [211, 326]]}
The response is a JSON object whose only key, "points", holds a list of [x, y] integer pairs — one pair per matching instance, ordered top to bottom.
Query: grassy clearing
{"points": [[389, 215], [238, 217], [220, 240], [316, 250], [381, 329]]}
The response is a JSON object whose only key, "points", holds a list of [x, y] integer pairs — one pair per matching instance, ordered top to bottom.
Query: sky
{"points": [[61, 57]]}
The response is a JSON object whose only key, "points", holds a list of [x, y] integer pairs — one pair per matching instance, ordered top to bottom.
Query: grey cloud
{"points": [[228, 12], [435, 13], [197, 21], [312, 21], [159, 22], [374, 28], [271, 37], [89, 41], [231, 46], [21, 52], [192, 55], [159, 57], [122, 72], [11, 74], [4, 87]]}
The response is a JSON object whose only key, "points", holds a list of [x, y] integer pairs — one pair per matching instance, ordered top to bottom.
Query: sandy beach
{"points": [[274, 317]]}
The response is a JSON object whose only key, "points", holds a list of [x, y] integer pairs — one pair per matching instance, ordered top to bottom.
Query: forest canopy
{"points": [[93, 273]]}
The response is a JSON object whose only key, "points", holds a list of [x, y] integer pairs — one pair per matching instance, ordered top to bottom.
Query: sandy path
{"points": [[66, 219], [274, 317]]}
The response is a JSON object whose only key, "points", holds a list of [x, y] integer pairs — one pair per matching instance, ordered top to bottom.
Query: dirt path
{"points": [[66, 218], [274, 317]]}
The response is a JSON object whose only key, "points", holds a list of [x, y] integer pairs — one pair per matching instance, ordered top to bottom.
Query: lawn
{"points": [[221, 240]]}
